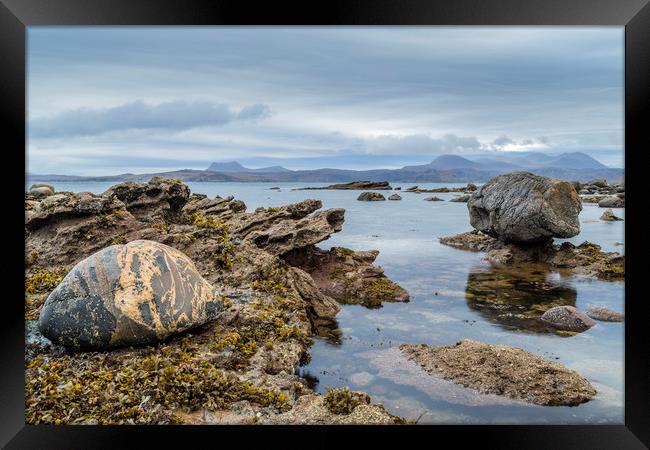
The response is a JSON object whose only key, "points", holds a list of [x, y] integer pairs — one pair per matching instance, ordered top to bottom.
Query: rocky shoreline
{"points": [[210, 309], [245, 362]]}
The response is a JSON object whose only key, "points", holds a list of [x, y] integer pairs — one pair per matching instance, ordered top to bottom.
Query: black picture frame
{"points": [[634, 15]]}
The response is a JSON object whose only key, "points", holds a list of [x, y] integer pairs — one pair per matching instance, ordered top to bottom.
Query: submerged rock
{"points": [[371, 197], [394, 197], [434, 199], [525, 208], [609, 216], [137, 293], [516, 296], [605, 314], [567, 318], [503, 370]]}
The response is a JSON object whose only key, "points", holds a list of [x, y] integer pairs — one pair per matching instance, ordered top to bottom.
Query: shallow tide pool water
{"points": [[452, 296]]}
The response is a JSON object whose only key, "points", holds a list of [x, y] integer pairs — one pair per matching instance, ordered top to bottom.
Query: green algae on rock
{"points": [[343, 401]]}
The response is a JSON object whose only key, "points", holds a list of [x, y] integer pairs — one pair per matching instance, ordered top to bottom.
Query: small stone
{"points": [[370, 197], [394, 197], [434, 199], [460, 199], [612, 202], [609, 216], [605, 314], [567, 318]]}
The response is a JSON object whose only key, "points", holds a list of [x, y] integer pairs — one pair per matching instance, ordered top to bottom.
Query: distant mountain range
{"points": [[235, 167], [445, 168]]}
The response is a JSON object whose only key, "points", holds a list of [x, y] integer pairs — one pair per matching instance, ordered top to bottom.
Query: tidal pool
{"points": [[455, 295]]}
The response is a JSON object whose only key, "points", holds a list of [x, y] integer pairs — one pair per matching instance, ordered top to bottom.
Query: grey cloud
{"points": [[174, 115], [502, 141], [422, 144]]}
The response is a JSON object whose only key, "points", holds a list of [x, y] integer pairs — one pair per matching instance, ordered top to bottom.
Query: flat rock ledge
{"points": [[354, 185], [585, 259], [503, 370]]}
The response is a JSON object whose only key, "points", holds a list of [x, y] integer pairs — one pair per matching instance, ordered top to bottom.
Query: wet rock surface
{"points": [[371, 197], [394, 197], [434, 199], [525, 208], [585, 259], [348, 276], [137, 293], [605, 314], [567, 318], [248, 356], [503, 370]]}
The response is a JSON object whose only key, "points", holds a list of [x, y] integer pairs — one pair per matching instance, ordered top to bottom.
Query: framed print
{"points": [[365, 217]]}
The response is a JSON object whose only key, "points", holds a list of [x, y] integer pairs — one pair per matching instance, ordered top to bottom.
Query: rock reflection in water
{"points": [[515, 297]]}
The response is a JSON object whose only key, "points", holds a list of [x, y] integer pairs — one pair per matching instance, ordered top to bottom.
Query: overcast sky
{"points": [[108, 100]]}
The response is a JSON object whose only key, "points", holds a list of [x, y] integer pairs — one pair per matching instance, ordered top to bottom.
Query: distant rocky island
{"points": [[574, 166]]}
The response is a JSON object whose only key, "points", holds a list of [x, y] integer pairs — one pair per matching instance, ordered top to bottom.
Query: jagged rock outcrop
{"points": [[525, 208], [285, 235], [348, 276], [137, 293], [503, 370]]}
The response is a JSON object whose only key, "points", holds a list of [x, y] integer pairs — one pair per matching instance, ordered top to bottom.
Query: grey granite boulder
{"points": [[395, 197], [524, 208]]}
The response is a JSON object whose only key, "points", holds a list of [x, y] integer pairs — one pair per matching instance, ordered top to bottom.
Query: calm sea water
{"points": [[449, 290]]}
